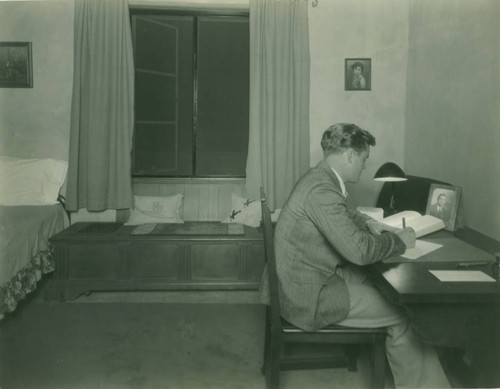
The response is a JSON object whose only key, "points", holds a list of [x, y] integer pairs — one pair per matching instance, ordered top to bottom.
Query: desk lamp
{"points": [[390, 172]]}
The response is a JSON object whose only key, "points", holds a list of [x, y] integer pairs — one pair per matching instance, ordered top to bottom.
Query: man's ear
{"points": [[350, 153]]}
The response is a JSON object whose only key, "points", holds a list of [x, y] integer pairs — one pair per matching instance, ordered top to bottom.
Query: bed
{"points": [[29, 215]]}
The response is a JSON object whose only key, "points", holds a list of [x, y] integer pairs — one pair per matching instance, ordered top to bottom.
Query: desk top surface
{"points": [[405, 281]]}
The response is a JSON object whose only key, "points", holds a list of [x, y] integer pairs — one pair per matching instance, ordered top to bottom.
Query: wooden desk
{"points": [[404, 281], [412, 283], [465, 315]]}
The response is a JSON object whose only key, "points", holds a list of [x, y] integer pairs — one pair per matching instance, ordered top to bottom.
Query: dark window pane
{"points": [[163, 50], [155, 54], [223, 96], [156, 97], [166, 141], [158, 152]]}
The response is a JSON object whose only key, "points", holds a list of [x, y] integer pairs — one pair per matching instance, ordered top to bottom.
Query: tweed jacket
{"points": [[316, 233]]}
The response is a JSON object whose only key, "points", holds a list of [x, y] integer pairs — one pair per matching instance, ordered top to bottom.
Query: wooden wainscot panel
{"points": [[160, 261], [214, 261], [252, 261], [93, 262]]}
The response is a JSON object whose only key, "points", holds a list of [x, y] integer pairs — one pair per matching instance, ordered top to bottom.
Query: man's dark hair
{"points": [[356, 64], [343, 136]]}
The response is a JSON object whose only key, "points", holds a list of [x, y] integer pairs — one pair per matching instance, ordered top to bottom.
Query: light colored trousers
{"points": [[414, 364]]}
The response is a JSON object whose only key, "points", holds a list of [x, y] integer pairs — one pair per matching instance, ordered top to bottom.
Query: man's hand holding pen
{"points": [[407, 234], [408, 237]]}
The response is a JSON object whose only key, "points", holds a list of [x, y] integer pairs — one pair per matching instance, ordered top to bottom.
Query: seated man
{"points": [[321, 247]]}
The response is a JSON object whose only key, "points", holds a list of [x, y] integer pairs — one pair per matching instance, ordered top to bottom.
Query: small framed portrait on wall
{"points": [[16, 65], [358, 74], [443, 203]]}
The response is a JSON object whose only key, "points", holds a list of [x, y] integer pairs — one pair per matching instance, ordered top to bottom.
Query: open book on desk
{"points": [[422, 224]]}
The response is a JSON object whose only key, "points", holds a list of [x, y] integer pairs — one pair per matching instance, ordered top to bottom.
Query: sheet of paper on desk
{"points": [[421, 248], [462, 276]]}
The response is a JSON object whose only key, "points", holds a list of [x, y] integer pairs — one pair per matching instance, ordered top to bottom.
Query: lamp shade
{"points": [[389, 171]]}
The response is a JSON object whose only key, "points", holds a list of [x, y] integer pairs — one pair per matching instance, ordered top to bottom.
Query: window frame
{"points": [[195, 13]]}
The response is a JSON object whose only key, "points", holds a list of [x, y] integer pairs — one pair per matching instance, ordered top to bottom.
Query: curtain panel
{"points": [[278, 150], [99, 171]]}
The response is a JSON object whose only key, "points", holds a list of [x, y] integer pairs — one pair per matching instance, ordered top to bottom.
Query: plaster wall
{"points": [[376, 29], [453, 103], [34, 122]]}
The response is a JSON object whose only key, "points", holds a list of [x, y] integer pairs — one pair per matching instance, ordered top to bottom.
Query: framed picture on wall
{"points": [[16, 65], [358, 74], [443, 203]]}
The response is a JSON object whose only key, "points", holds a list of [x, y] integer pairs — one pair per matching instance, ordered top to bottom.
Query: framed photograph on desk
{"points": [[443, 203]]}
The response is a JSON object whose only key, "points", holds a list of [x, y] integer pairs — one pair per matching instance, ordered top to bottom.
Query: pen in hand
{"points": [[404, 223]]}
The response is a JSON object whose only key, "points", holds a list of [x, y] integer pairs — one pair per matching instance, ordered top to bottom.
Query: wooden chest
{"points": [[108, 257]]}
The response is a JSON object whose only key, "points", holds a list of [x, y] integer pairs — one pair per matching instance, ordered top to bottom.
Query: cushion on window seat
{"points": [[156, 209], [247, 212]]}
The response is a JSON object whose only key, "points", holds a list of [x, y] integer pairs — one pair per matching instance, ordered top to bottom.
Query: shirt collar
{"points": [[341, 182]]}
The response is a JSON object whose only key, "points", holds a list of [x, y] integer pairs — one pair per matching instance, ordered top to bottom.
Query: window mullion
{"points": [[195, 91]]}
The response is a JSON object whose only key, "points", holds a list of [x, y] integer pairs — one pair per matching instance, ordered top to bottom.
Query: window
{"points": [[191, 95]]}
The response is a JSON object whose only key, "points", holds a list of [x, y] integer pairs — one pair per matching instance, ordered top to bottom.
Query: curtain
{"points": [[278, 150], [99, 171]]}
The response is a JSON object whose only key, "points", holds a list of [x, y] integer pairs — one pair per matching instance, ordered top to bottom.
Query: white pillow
{"points": [[31, 181], [156, 209], [244, 211]]}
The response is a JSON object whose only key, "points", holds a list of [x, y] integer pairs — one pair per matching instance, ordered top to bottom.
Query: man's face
{"points": [[357, 71], [358, 164], [441, 200]]}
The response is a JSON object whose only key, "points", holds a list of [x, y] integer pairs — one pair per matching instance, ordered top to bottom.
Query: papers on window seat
{"points": [[189, 228], [144, 229], [421, 248], [461, 276]]}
